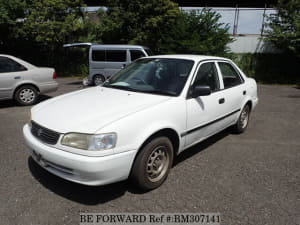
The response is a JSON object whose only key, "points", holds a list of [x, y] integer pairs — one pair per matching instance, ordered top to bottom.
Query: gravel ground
{"points": [[252, 178]]}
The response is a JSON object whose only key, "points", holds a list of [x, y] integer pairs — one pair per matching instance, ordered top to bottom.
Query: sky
{"points": [[249, 21]]}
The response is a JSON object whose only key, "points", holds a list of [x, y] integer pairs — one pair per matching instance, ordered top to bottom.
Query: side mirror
{"points": [[199, 90]]}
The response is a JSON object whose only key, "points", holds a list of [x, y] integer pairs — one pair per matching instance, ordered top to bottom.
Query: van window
{"points": [[148, 51], [135, 54], [98, 55], [116, 55]]}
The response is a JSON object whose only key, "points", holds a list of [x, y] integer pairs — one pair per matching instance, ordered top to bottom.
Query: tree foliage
{"points": [[11, 11], [54, 21], [138, 22], [160, 25], [285, 27], [36, 30], [198, 32]]}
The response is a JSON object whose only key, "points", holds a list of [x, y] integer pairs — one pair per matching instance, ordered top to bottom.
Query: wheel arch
{"points": [[25, 84], [248, 102], [166, 132]]}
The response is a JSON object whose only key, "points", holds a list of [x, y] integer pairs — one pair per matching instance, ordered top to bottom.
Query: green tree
{"points": [[11, 14], [54, 22], [138, 22], [162, 26], [285, 26], [36, 30], [198, 32]]}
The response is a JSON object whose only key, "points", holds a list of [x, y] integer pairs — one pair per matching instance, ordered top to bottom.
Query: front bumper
{"points": [[88, 170]]}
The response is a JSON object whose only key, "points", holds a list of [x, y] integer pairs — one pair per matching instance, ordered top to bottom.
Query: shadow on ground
{"points": [[75, 83], [13, 103], [190, 152], [89, 195]]}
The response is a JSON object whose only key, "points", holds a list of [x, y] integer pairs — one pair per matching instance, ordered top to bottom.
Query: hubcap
{"points": [[98, 80], [27, 95], [244, 117], [158, 163]]}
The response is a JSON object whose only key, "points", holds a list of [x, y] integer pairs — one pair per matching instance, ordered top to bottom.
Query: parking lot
{"points": [[252, 178]]}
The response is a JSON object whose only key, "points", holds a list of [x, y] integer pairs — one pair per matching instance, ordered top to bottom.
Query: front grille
{"points": [[45, 135]]}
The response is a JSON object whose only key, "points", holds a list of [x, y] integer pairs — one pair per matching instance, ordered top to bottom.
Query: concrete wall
{"points": [[250, 44]]}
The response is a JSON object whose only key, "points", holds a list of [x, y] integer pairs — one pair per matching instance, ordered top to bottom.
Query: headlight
{"points": [[103, 141], [90, 142]]}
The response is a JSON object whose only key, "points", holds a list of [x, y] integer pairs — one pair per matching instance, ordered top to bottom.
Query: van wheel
{"points": [[98, 79], [26, 95], [243, 120], [152, 164]]}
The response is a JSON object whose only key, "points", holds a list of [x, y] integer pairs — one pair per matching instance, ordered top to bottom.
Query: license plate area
{"points": [[39, 158]]}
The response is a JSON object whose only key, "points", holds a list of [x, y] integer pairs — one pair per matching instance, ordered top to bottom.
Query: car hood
{"points": [[88, 110]]}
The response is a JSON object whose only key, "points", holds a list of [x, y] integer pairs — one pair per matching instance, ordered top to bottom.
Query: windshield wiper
{"points": [[127, 88], [159, 92]]}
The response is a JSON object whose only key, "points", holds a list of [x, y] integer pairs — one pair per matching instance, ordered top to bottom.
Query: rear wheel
{"points": [[98, 79], [26, 95], [243, 120], [153, 163]]}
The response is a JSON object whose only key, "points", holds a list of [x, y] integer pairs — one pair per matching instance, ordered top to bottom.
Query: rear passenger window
{"points": [[135, 54], [98, 55], [116, 55], [8, 65], [230, 75]]}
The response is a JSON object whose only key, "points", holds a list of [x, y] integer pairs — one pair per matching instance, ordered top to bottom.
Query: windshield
{"points": [[149, 52], [153, 75]]}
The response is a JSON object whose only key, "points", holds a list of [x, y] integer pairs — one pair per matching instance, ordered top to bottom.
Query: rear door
{"points": [[97, 61], [10, 73], [234, 90]]}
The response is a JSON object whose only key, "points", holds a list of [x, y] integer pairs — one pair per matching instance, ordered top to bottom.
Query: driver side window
{"points": [[207, 75]]}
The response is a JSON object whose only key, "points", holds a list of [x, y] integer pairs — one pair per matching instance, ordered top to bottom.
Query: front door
{"points": [[203, 112]]}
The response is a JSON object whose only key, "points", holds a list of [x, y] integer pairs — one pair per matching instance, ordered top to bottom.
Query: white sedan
{"points": [[23, 81], [140, 119]]}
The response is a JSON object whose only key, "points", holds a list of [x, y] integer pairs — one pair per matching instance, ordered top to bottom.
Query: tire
{"points": [[98, 79], [26, 95], [243, 120], [152, 164]]}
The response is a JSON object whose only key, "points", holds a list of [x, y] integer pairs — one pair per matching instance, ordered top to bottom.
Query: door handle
{"points": [[17, 77], [244, 92], [221, 100]]}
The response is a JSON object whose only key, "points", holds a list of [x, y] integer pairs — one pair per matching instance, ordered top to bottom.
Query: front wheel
{"points": [[98, 79], [26, 95], [243, 120], [153, 163]]}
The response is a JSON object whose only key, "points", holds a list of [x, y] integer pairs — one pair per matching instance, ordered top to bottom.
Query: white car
{"points": [[23, 81], [140, 119]]}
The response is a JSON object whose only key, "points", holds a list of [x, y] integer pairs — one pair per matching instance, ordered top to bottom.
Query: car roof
{"points": [[116, 46], [4, 55], [190, 57], [21, 61]]}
